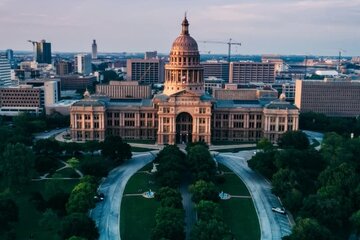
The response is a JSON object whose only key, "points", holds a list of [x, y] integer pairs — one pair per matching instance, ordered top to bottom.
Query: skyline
{"points": [[299, 27]]}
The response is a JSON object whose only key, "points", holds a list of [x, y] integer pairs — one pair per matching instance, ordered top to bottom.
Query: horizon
{"points": [[300, 27]]}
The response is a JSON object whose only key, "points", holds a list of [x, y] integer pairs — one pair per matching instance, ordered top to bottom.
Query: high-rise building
{"points": [[94, 50], [42, 51], [9, 54], [150, 55], [83, 64], [63, 68], [218, 69], [145, 70], [5, 71], [246, 72], [51, 92], [337, 98]]}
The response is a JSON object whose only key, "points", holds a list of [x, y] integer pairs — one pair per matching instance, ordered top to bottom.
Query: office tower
{"points": [[94, 50], [42, 51], [9, 54], [150, 55], [83, 64], [63, 68], [218, 69], [145, 70], [5, 71], [246, 72], [51, 92], [337, 98]]}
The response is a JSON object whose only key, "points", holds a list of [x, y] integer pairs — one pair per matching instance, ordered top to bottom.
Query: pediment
{"points": [[184, 93]]}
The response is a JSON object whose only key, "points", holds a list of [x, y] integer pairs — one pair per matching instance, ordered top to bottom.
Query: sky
{"points": [[302, 27]]}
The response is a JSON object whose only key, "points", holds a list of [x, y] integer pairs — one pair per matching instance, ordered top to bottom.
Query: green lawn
{"points": [[66, 173], [239, 213], [137, 216], [240, 216], [29, 217]]}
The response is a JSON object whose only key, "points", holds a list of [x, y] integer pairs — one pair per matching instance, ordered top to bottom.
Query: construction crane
{"points": [[229, 43]]}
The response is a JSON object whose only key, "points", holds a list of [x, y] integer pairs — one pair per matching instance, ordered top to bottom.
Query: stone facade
{"points": [[183, 112]]}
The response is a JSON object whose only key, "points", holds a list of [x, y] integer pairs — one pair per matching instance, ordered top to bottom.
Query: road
{"points": [[49, 134], [107, 213], [273, 226]]}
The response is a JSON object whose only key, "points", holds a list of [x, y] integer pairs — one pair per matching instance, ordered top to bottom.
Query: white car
{"points": [[280, 210]]}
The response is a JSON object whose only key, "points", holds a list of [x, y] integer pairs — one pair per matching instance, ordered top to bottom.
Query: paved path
{"points": [[107, 213], [190, 213], [273, 226]]}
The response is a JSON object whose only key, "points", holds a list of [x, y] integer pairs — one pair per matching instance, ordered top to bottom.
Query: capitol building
{"points": [[183, 112]]}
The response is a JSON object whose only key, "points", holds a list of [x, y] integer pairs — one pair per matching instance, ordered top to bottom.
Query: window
{"points": [[166, 110], [202, 110], [117, 115], [129, 115], [149, 115], [78, 116], [87, 116], [96, 116], [202, 120], [129, 123], [96, 124], [87, 125], [201, 129]]}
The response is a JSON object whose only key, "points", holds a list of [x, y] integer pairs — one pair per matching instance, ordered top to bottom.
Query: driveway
{"points": [[106, 214], [273, 225]]}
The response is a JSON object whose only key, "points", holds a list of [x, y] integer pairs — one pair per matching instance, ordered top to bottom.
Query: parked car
{"points": [[280, 210]]}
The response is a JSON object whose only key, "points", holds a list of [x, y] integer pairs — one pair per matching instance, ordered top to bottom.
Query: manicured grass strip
{"points": [[66, 173], [140, 182], [233, 185], [238, 213], [240, 216], [137, 217]]}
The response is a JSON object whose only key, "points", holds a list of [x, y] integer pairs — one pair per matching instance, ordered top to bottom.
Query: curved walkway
{"points": [[107, 213], [273, 226]]}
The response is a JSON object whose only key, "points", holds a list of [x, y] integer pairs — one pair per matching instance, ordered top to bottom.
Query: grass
{"points": [[66, 173], [239, 213], [137, 216], [240, 216], [29, 217]]}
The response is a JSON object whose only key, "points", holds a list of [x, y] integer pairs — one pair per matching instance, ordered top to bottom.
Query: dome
{"points": [[184, 42]]}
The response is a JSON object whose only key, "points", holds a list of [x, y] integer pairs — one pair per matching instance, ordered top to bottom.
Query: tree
{"points": [[294, 139], [265, 145], [92, 146], [47, 147], [72, 148], [114, 148], [73, 162], [263, 162], [45, 163], [201, 163], [17, 164], [97, 167], [170, 171], [203, 190], [82, 196], [169, 197], [57, 202], [208, 210], [9, 213], [49, 220], [355, 221], [78, 224], [169, 224], [211, 229], [309, 229], [76, 238]]}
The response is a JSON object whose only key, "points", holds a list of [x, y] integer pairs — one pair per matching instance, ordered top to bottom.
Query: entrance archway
{"points": [[184, 122]]}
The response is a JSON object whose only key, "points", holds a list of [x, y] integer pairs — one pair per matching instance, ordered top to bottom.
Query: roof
{"points": [[131, 102], [89, 103], [238, 104], [280, 105]]}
